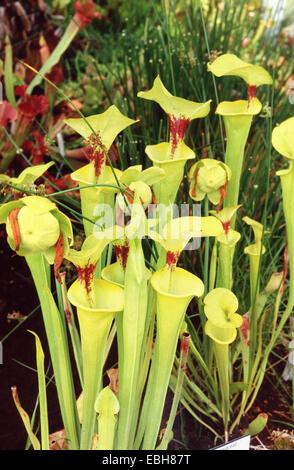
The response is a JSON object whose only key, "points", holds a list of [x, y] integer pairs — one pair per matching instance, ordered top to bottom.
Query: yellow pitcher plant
{"points": [[237, 116], [101, 180], [132, 283], [95, 323]]}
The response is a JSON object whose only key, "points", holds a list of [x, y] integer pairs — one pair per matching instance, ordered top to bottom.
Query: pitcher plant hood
{"points": [[174, 106], [179, 110], [106, 125], [100, 130], [27, 177], [176, 233]]}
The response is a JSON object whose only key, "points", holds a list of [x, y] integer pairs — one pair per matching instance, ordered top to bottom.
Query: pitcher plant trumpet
{"points": [[237, 118], [99, 131], [172, 155], [132, 285], [174, 287], [220, 307], [95, 323]]}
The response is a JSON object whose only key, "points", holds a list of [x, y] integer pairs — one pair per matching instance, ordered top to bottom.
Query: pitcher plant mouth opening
{"points": [[183, 283], [105, 303], [220, 307]]}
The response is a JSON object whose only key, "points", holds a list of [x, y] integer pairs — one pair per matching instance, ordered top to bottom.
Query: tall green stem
{"points": [[167, 189]]}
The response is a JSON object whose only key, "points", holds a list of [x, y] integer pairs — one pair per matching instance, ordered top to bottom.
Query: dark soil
{"points": [[17, 294]]}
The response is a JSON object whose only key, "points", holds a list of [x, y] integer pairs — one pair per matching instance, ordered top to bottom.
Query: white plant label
{"points": [[242, 443]]}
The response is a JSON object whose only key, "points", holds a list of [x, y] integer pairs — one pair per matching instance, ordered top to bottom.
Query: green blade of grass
{"points": [[42, 393]]}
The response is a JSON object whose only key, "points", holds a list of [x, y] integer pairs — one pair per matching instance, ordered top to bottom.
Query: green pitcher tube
{"points": [[238, 115], [237, 119], [283, 142], [287, 181], [227, 241], [227, 244], [254, 252], [174, 292], [134, 322]]}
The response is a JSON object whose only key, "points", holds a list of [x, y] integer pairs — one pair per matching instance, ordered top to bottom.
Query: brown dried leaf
{"points": [[15, 316], [113, 380]]}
